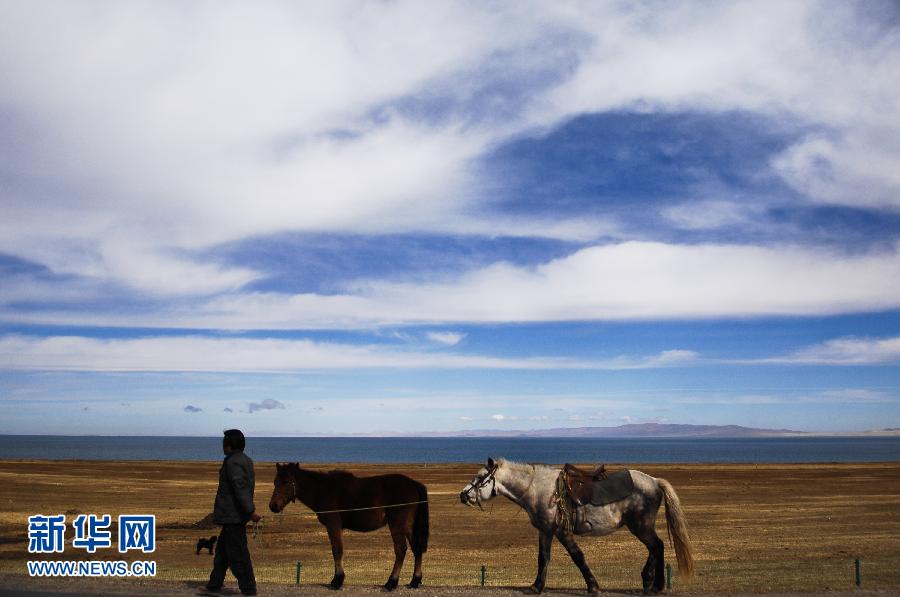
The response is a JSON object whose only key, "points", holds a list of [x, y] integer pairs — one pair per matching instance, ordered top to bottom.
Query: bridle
{"points": [[489, 477], [293, 497]]}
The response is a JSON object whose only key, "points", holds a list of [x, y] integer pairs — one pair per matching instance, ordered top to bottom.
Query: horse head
{"points": [[285, 486], [482, 487]]}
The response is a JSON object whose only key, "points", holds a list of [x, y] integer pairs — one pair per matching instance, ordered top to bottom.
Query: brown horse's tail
{"points": [[420, 524], [678, 531]]}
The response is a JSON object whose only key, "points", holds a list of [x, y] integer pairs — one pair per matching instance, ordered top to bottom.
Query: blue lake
{"points": [[436, 450]]}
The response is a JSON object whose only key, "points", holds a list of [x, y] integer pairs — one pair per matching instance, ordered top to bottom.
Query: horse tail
{"points": [[420, 524], [678, 531]]}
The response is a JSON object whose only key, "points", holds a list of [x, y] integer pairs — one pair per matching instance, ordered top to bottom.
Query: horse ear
{"points": [[491, 464]]}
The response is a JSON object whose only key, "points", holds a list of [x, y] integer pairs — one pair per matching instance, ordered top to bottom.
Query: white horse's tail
{"points": [[678, 531]]}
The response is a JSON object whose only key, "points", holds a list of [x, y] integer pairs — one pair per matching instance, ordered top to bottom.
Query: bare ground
{"points": [[775, 529], [11, 586]]}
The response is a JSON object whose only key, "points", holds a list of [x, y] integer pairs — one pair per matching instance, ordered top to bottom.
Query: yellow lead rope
{"points": [[561, 498], [370, 507], [349, 509]]}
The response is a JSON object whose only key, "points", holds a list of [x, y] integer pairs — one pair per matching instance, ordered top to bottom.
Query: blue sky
{"points": [[354, 217]]}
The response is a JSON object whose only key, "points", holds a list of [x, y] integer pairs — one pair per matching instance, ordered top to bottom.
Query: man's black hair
{"points": [[235, 439]]}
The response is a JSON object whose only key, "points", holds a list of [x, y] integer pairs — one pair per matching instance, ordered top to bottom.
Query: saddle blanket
{"points": [[617, 486]]}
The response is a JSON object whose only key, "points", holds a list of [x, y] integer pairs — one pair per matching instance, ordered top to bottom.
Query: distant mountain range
{"points": [[632, 430]]}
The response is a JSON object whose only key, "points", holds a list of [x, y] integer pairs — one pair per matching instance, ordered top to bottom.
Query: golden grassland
{"points": [[756, 528]]}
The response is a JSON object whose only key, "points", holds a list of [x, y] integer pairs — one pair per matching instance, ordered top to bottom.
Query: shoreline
{"points": [[519, 434], [451, 451], [390, 464]]}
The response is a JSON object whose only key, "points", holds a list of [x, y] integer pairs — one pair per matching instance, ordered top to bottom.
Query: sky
{"points": [[398, 217]]}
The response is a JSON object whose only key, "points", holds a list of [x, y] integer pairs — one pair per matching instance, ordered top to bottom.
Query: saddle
{"points": [[580, 482], [596, 488]]}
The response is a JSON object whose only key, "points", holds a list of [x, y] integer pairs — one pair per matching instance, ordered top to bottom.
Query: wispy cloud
{"points": [[258, 153], [704, 215], [625, 281], [446, 338], [845, 351], [196, 353], [837, 396], [190, 408], [503, 418]]}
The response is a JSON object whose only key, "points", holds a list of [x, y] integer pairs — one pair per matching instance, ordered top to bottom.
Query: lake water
{"points": [[437, 450]]}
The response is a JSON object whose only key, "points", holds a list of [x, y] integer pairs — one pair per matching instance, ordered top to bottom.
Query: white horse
{"points": [[533, 487]]}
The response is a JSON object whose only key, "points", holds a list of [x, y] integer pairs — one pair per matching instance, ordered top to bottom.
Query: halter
{"points": [[489, 477], [293, 488]]}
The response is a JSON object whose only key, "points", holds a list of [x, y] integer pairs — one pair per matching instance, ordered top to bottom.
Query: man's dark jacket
{"points": [[234, 498]]}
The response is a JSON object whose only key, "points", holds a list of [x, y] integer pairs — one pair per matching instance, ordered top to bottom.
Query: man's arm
{"points": [[240, 485]]}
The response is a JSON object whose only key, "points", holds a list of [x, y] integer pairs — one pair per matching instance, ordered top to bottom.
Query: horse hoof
{"points": [[336, 583], [415, 583], [391, 584], [532, 590]]}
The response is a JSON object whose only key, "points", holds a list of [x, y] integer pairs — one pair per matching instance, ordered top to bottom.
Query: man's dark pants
{"points": [[231, 551]]}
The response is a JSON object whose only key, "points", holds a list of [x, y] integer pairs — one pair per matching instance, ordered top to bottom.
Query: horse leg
{"points": [[399, 538], [568, 541], [545, 543], [337, 551], [653, 574], [416, 580]]}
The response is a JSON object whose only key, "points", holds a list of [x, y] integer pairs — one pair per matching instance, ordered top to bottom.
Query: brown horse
{"points": [[343, 501]]}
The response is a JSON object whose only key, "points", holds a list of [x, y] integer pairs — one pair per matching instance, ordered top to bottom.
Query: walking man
{"points": [[233, 508]]}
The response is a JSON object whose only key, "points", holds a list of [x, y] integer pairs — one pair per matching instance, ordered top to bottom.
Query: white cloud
{"points": [[820, 63], [181, 127], [152, 130], [858, 169], [706, 215], [654, 280], [625, 281], [446, 338], [846, 351], [197, 353], [854, 395], [837, 396], [499, 417]]}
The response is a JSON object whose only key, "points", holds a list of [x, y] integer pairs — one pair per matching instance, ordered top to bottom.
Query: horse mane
{"points": [[516, 465], [340, 474]]}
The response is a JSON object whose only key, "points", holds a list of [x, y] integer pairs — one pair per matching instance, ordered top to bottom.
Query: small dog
{"points": [[206, 544]]}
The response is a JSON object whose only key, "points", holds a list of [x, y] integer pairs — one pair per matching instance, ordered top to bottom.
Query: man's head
{"points": [[233, 440]]}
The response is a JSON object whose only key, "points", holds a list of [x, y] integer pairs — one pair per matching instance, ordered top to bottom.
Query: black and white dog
{"points": [[206, 544]]}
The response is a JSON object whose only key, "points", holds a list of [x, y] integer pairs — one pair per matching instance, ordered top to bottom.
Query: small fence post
{"points": [[299, 569], [483, 571], [668, 576], [858, 577]]}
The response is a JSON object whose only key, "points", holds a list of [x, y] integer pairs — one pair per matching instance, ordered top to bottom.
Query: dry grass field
{"points": [[756, 528]]}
